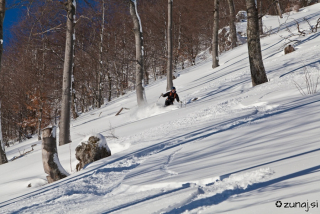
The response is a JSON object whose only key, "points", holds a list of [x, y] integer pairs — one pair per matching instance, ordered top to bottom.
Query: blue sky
{"points": [[13, 15], [10, 18]]}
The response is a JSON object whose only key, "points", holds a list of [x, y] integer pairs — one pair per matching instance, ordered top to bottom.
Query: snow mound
{"points": [[119, 147], [243, 180], [37, 182]]}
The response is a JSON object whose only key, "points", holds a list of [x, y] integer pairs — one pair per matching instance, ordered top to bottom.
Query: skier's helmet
{"points": [[173, 88]]}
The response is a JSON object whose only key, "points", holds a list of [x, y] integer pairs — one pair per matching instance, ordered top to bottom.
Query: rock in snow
{"points": [[92, 148]]}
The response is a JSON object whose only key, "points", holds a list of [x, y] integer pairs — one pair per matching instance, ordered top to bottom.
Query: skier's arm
{"points": [[166, 94], [177, 98]]}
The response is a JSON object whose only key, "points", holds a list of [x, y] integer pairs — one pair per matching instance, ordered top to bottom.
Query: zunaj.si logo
{"points": [[278, 204], [306, 205]]}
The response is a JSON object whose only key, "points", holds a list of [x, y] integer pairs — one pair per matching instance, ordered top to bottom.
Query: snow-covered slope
{"points": [[237, 149]]}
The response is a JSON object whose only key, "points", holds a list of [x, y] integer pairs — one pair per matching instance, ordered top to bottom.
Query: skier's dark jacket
{"points": [[171, 96]]}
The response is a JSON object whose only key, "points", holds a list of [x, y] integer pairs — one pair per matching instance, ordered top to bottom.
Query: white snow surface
{"points": [[236, 149]]}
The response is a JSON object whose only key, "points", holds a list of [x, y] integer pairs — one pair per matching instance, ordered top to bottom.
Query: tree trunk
{"points": [[304, 3], [259, 4], [279, 9], [233, 30], [215, 37], [179, 40], [169, 41], [139, 51], [100, 58], [154, 69], [146, 73], [258, 74], [109, 87], [73, 93], [74, 101], [39, 123], [64, 135], [3, 156], [50, 160]]}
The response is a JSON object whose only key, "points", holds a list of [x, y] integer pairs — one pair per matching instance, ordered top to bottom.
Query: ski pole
{"points": [[159, 98]]}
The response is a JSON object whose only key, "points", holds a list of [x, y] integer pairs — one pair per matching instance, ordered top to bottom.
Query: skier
{"points": [[171, 96]]}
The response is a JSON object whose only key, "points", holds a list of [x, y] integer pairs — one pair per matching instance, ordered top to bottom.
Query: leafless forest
{"points": [[104, 53]]}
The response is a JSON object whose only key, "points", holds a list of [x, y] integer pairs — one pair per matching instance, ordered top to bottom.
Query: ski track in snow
{"points": [[166, 165], [107, 179], [103, 182], [211, 194]]}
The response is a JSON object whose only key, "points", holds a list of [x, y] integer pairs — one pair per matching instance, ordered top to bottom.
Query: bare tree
{"points": [[304, 3], [259, 4], [279, 8], [137, 29], [192, 29], [233, 31], [215, 36], [169, 42], [258, 74], [73, 90], [74, 98], [100, 99], [39, 123], [64, 135], [3, 157]]}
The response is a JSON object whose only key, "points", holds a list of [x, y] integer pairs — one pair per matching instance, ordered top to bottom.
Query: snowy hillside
{"points": [[236, 149]]}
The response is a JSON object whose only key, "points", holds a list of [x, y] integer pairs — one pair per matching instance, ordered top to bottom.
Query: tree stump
{"points": [[289, 49], [92, 148], [50, 160]]}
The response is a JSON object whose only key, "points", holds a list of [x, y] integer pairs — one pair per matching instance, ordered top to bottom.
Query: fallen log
{"points": [[121, 111]]}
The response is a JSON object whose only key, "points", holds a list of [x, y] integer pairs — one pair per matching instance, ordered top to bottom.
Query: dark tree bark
{"points": [[304, 3], [259, 4], [137, 29], [233, 30], [215, 36], [169, 42], [258, 74], [109, 86], [73, 92], [100, 99], [74, 101], [40, 121], [64, 135], [3, 156], [50, 160]]}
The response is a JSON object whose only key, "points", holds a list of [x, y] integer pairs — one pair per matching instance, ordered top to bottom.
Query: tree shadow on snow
{"points": [[175, 142], [221, 197]]}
